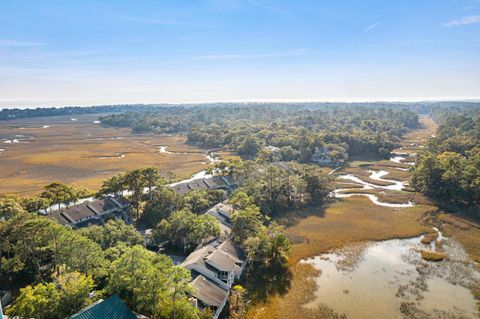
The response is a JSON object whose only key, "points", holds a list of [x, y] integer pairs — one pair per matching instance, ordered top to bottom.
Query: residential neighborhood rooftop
{"points": [[91, 212], [208, 292], [112, 308]]}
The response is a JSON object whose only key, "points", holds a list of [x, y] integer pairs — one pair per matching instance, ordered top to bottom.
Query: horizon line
{"points": [[258, 101]]}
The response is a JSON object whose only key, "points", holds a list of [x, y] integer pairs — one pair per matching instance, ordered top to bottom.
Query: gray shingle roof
{"points": [[82, 213]]}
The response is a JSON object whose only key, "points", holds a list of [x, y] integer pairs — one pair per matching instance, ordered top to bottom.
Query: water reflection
{"points": [[389, 279]]}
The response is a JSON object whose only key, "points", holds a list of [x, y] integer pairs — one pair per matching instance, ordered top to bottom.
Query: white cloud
{"points": [[462, 21], [371, 27]]}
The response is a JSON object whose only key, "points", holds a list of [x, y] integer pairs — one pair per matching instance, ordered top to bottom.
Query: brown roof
{"points": [[215, 182], [189, 186], [100, 206], [83, 211], [73, 214], [228, 247], [222, 261], [207, 292]]}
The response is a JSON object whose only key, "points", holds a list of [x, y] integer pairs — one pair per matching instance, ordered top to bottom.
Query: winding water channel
{"points": [[374, 175], [389, 279]]}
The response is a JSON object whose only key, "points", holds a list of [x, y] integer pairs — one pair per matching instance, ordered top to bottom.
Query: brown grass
{"points": [[419, 136], [84, 153], [363, 174], [395, 197], [352, 220], [348, 221], [467, 232], [429, 255], [291, 304]]}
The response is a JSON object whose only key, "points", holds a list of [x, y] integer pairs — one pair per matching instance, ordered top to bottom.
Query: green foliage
{"points": [[296, 129], [249, 146], [449, 169], [135, 181], [114, 185], [275, 189], [59, 193], [240, 200], [165, 201], [198, 201], [34, 204], [160, 205], [9, 207], [246, 223], [185, 229], [112, 233], [28, 245], [269, 245], [78, 253], [70, 263], [149, 282], [74, 289], [64, 297], [41, 301]]}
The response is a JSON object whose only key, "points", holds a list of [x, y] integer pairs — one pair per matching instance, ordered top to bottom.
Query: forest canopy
{"points": [[293, 131], [449, 168]]}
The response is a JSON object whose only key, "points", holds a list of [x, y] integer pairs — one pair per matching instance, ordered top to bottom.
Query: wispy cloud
{"points": [[268, 7], [462, 21], [372, 27], [17, 43], [242, 56]]}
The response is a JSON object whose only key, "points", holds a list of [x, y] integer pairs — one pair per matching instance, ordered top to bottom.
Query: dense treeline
{"points": [[418, 107], [291, 131], [449, 168], [277, 187]]}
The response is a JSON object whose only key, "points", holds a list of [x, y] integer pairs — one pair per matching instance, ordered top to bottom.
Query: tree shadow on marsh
{"points": [[293, 217], [265, 281]]}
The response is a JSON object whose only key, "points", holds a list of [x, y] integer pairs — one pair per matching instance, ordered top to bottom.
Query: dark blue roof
{"points": [[112, 308]]}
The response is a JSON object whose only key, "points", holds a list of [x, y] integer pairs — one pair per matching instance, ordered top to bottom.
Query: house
{"points": [[320, 156], [226, 183], [94, 212], [223, 213], [197, 265], [214, 267], [206, 294], [113, 308]]}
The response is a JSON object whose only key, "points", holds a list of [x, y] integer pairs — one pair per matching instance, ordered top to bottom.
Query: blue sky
{"points": [[98, 52]]}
